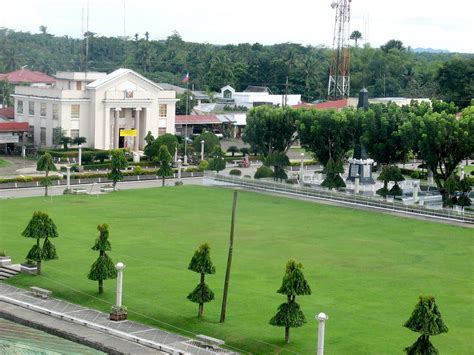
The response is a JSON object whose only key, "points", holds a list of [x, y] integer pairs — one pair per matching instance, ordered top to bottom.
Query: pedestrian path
{"points": [[152, 338]]}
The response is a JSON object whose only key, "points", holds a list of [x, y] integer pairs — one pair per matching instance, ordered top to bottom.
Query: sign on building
{"points": [[128, 133], [8, 138]]}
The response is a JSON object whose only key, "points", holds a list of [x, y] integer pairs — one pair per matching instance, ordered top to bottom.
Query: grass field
{"points": [[4, 163], [366, 269]]}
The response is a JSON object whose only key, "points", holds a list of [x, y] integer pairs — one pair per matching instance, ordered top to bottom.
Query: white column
{"points": [[116, 127], [136, 140], [107, 141], [202, 149], [23, 151], [80, 154], [176, 155], [301, 167], [179, 170], [461, 176], [68, 181], [357, 184], [415, 191], [120, 266], [322, 318]]}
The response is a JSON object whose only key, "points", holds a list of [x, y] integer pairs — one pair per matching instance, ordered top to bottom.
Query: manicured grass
{"points": [[4, 163], [366, 269]]}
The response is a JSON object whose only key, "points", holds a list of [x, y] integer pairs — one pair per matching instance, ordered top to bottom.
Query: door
{"points": [[121, 139]]}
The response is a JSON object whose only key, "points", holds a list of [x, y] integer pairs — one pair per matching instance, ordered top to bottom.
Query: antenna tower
{"points": [[339, 79]]}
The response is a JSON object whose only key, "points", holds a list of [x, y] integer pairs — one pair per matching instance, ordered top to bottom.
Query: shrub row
{"points": [[28, 179]]}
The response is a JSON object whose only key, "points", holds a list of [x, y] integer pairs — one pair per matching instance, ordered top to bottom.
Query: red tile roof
{"points": [[26, 76], [337, 104], [7, 112], [197, 119], [14, 127]]}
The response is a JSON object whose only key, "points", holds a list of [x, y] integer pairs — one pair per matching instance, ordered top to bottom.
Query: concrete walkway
{"points": [[91, 327]]}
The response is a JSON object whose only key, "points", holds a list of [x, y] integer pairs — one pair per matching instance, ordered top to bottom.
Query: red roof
{"points": [[26, 76], [337, 104], [7, 112], [197, 119], [14, 127]]}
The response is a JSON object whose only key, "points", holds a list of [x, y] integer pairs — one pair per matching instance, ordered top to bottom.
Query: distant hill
{"points": [[430, 50]]}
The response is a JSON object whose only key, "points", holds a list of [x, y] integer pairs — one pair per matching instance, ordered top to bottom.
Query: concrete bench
{"points": [[106, 189], [79, 191], [40, 292], [209, 340]]}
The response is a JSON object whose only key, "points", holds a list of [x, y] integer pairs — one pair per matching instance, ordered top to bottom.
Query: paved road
{"points": [[58, 190]]}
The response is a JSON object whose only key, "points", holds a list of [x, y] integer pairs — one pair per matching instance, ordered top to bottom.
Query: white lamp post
{"points": [[202, 149], [80, 154], [176, 155], [68, 169], [179, 170], [461, 175], [357, 184], [120, 266], [322, 318]]}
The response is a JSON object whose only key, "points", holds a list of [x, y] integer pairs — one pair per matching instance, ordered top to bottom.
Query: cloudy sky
{"points": [[418, 23]]}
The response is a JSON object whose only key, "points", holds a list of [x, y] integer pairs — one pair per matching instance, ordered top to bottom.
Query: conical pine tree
{"points": [[41, 227], [202, 264], [103, 268], [294, 284], [426, 320]]}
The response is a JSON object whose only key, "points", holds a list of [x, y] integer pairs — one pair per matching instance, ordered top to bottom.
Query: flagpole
{"points": [[186, 122]]}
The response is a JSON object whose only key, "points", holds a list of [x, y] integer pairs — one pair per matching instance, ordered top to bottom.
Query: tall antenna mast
{"points": [[339, 79]]}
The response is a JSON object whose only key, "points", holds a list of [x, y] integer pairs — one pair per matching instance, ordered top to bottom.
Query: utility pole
{"points": [[286, 91], [229, 260]]}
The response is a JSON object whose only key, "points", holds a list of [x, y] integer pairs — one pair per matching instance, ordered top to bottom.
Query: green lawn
{"points": [[4, 163], [366, 269]]}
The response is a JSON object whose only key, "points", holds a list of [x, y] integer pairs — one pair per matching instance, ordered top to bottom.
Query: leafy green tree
{"points": [[355, 36], [392, 44], [456, 80], [181, 104], [270, 129], [79, 140], [210, 142], [152, 149], [233, 149], [245, 151], [102, 156], [164, 157], [279, 161], [217, 162], [117, 163], [46, 164], [390, 173], [333, 178], [465, 187], [41, 226], [202, 264], [103, 268], [294, 284], [426, 320]]}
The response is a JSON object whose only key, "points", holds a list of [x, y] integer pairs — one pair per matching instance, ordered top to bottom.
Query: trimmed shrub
{"points": [[88, 157], [203, 165], [235, 172], [263, 172]]}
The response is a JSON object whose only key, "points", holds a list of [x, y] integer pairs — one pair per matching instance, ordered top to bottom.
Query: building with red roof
{"points": [[24, 75], [7, 113]]}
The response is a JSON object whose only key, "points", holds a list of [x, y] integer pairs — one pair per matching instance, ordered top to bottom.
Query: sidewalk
{"points": [[91, 327]]}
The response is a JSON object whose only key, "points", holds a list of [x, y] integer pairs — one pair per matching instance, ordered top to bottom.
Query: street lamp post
{"points": [[202, 149], [80, 154], [301, 167], [68, 169], [179, 170], [357, 184], [119, 312], [322, 318]]}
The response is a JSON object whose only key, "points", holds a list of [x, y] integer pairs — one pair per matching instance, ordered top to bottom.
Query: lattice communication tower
{"points": [[339, 79]]}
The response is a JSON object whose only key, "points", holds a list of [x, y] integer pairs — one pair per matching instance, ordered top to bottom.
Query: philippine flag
{"points": [[185, 78]]}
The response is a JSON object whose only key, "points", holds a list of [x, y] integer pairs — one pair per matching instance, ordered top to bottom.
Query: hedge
{"points": [[29, 179]]}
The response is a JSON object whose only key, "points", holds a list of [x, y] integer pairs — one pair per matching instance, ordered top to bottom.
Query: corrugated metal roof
{"points": [[26, 76], [197, 119]]}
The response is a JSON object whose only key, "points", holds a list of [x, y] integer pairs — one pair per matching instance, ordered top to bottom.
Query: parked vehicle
{"points": [[218, 133]]}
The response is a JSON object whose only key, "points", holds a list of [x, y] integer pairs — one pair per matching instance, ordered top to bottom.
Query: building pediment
{"points": [[124, 79]]}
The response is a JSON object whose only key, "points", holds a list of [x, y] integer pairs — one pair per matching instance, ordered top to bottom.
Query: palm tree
{"points": [[356, 35], [46, 164]]}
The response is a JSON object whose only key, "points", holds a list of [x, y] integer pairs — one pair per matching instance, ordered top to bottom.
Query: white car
{"points": [[218, 133]]}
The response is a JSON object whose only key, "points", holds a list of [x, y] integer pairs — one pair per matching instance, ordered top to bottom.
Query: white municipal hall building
{"points": [[97, 106]]}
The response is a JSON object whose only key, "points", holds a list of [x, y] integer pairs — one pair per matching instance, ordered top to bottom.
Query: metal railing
{"points": [[345, 197]]}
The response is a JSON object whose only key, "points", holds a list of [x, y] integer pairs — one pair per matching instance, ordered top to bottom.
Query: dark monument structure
{"points": [[360, 164]]}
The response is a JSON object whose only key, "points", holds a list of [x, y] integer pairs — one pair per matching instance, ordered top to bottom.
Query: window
{"points": [[78, 85], [227, 94], [19, 106], [31, 107], [43, 109], [163, 110], [55, 111], [75, 111], [74, 133], [31, 134], [43, 135], [56, 135]]}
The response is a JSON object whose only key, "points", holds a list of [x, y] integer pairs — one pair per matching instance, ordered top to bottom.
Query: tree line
{"points": [[391, 70], [389, 133]]}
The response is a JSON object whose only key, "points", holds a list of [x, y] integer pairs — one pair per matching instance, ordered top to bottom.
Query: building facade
{"points": [[114, 110]]}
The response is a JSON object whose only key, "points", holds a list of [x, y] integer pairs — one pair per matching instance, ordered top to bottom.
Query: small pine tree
{"points": [[164, 157], [279, 161], [118, 162], [46, 164], [333, 180], [41, 227], [202, 264], [103, 268], [294, 284], [426, 320]]}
